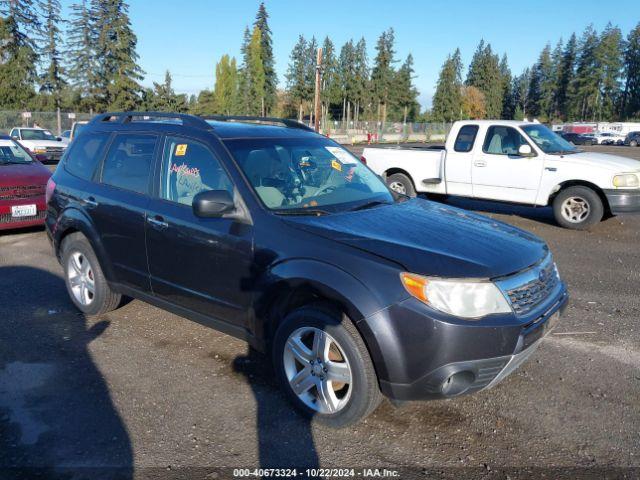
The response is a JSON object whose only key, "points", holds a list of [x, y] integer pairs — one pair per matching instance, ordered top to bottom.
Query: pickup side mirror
{"points": [[15, 137], [525, 150], [212, 203]]}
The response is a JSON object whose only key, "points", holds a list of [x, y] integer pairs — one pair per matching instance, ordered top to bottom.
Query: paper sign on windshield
{"points": [[344, 157]]}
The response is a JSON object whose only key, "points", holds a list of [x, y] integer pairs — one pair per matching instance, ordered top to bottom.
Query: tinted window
{"points": [[37, 134], [466, 138], [503, 141], [85, 153], [128, 163], [189, 168]]}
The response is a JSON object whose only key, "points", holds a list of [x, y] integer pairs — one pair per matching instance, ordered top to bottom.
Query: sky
{"points": [[188, 37]]}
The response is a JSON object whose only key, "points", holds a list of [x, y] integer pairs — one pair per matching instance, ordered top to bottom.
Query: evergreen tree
{"points": [[27, 25], [81, 46], [609, 57], [268, 62], [556, 63], [17, 67], [117, 73], [383, 73], [484, 73], [565, 74], [256, 75], [296, 76], [347, 76], [243, 80], [52, 81], [542, 86], [585, 88], [361, 91], [225, 93], [330, 94], [405, 94], [520, 95], [631, 95], [164, 99], [447, 101], [508, 106]]}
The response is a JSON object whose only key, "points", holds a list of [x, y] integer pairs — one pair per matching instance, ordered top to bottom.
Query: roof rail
{"points": [[128, 117], [255, 119]]}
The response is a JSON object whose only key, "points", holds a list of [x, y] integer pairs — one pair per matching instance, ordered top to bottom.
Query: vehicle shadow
{"points": [[538, 214], [57, 419], [285, 439]]}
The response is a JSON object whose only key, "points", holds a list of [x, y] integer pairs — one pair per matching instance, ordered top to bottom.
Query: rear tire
{"points": [[633, 143], [400, 183], [578, 208], [86, 284], [318, 332]]}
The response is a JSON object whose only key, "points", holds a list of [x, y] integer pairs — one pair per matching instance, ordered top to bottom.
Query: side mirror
{"points": [[15, 137], [525, 150], [212, 203]]}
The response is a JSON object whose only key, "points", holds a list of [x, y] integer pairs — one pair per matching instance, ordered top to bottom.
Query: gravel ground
{"points": [[141, 393]]}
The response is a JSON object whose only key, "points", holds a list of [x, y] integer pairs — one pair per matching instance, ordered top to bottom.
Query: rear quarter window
{"points": [[466, 138], [85, 153], [128, 163]]}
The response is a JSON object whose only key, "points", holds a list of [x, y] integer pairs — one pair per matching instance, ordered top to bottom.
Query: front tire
{"points": [[633, 143], [400, 183], [578, 208], [86, 284], [324, 367]]}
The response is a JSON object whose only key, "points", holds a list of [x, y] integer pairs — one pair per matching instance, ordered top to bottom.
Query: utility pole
{"points": [[316, 105]]}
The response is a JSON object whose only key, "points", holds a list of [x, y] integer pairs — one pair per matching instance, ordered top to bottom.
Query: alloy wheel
{"points": [[398, 187], [575, 209], [81, 279], [317, 369]]}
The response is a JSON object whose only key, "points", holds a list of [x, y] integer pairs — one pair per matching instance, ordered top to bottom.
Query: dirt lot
{"points": [[140, 393]]}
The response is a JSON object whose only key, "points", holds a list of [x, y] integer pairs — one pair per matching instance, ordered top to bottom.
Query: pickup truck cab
{"points": [[40, 142], [518, 162]]}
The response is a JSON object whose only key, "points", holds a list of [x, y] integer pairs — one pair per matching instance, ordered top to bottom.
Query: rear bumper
{"points": [[623, 201], [8, 222], [435, 360]]}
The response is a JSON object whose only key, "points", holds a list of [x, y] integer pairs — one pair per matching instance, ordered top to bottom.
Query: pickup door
{"points": [[499, 173]]}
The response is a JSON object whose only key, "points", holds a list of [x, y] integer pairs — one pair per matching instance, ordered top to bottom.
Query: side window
{"points": [[13, 133], [466, 138], [502, 140], [84, 154], [128, 163], [188, 168]]}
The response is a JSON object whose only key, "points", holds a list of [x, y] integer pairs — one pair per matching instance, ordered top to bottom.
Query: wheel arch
{"points": [[394, 170], [579, 183], [73, 221]]}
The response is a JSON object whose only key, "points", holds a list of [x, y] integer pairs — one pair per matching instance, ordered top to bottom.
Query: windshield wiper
{"points": [[373, 203], [302, 211]]}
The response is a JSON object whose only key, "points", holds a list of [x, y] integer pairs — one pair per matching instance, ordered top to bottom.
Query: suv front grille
{"points": [[54, 153], [21, 192], [527, 296]]}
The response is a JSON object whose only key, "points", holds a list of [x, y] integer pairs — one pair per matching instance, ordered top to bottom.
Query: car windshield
{"points": [[37, 134], [548, 141], [12, 153], [311, 174]]}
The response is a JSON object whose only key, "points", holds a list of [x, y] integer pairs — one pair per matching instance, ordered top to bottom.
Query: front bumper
{"points": [[623, 201], [423, 357]]}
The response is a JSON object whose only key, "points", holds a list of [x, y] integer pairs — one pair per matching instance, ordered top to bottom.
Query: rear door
{"points": [[458, 162], [500, 173], [118, 203], [202, 264]]}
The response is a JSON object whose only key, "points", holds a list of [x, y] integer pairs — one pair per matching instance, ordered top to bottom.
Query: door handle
{"points": [[480, 163], [89, 202], [157, 222]]}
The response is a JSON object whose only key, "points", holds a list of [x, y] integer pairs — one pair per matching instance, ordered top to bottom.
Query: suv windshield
{"points": [[37, 134], [548, 141], [12, 153], [313, 174]]}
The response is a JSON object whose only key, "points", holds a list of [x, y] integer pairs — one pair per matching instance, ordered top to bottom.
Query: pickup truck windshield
{"points": [[37, 134], [548, 141], [12, 153], [299, 174]]}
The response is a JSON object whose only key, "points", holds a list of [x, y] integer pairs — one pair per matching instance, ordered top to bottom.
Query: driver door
{"points": [[500, 173], [201, 264]]}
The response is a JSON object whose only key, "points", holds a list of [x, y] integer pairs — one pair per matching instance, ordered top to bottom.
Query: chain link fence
{"points": [[48, 120], [353, 132]]}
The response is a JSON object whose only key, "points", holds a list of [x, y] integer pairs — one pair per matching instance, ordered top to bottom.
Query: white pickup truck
{"points": [[518, 162]]}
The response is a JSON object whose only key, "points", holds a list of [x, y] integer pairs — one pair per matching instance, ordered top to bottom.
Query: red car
{"points": [[23, 183]]}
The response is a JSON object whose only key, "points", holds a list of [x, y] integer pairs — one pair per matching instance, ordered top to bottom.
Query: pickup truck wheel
{"points": [[633, 143], [400, 183], [578, 208], [86, 284], [324, 367]]}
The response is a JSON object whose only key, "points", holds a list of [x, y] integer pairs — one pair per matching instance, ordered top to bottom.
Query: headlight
{"points": [[39, 150], [626, 180], [462, 298]]}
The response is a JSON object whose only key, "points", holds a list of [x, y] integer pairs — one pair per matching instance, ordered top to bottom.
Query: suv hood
{"points": [[614, 163], [429, 238]]}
